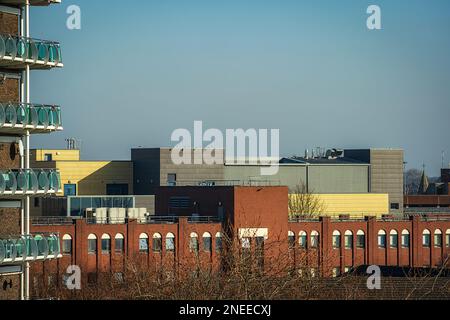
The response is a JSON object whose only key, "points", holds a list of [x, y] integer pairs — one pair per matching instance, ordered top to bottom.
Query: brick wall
{"points": [[9, 23], [9, 90], [9, 287]]}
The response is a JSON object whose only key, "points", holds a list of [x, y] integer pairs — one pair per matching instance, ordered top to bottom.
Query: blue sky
{"points": [[137, 70]]}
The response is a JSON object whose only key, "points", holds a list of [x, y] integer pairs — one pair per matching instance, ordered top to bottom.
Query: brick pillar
{"points": [[80, 239], [371, 240], [325, 249], [416, 250]]}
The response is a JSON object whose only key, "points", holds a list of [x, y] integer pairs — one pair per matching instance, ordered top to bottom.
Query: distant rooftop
{"points": [[303, 160]]}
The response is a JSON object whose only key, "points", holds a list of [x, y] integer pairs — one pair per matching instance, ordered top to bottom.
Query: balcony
{"points": [[32, 2], [17, 52], [15, 118], [29, 182], [29, 248]]}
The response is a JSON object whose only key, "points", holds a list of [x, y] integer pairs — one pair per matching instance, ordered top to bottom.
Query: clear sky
{"points": [[137, 70]]}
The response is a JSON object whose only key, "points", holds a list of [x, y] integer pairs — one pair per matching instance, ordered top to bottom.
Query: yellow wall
{"points": [[57, 155], [91, 177], [355, 205]]}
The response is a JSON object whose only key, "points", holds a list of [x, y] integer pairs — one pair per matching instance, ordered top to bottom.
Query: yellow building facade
{"points": [[84, 178], [354, 205]]}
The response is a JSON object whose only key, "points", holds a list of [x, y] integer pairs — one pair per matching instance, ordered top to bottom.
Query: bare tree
{"points": [[304, 204]]}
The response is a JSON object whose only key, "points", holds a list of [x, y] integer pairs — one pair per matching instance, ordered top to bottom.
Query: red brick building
{"points": [[193, 222]]}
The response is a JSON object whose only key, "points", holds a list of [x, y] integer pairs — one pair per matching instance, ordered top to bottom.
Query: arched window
{"points": [[426, 238], [438, 238], [447, 238], [291, 239], [302, 239], [315, 239], [336, 239], [348, 239], [360, 239], [382, 239], [393, 239], [405, 239], [143, 242], [157, 242], [170, 242], [193, 242], [218, 242], [119, 243], [207, 243], [67, 244], [92, 244], [106, 244]]}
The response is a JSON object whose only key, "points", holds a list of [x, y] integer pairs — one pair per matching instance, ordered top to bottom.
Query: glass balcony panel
{"points": [[11, 47], [25, 49], [2, 115], [11, 115], [21, 115], [43, 116], [30, 181], [42, 245], [53, 245], [20, 249], [11, 250], [2, 251]]}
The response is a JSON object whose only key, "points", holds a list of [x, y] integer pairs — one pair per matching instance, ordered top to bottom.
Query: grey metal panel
{"points": [[387, 174], [288, 175], [338, 179]]}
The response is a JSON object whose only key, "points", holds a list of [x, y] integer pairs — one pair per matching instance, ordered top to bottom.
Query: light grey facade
{"points": [[154, 168], [386, 173]]}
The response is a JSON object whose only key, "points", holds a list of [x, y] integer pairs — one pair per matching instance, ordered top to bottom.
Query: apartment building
{"points": [[20, 118]]}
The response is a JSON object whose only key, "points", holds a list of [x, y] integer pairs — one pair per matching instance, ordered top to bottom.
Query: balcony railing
{"points": [[32, 2], [17, 52], [34, 117], [29, 182], [27, 248]]}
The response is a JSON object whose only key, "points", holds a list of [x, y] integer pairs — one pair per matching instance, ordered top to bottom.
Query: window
{"points": [[48, 157], [171, 179], [117, 189], [70, 190], [37, 202], [395, 206], [426, 238], [438, 238], [447, 238], [291, 239], [302, 239], [314, 239], [336, 239], [360, 239], [382, 239], [393, 239], [405, 239], [348, 240], [170, 242], [193, 242], [218, 242], [119, 243], [143, 243], [157, 243], [67, 244], [92, 244], [106, 244], [207, 244], [347, 269], [336, 272], [92, 278]]}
